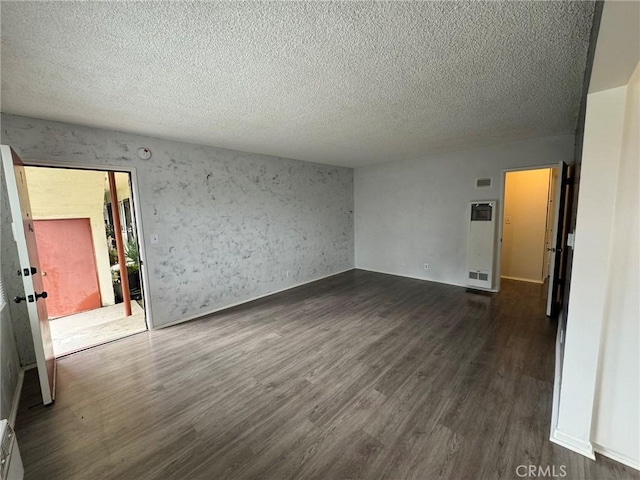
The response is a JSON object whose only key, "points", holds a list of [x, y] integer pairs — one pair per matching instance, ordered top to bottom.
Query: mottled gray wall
{"points": [[232, 225], [16, 313], [9, 358], [10, 368]]}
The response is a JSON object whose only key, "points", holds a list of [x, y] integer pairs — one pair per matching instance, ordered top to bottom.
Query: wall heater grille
{"points": [[481, 243]]}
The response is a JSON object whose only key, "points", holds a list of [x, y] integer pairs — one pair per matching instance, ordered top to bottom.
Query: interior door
{"points": [[559, 238], [30, 273]]}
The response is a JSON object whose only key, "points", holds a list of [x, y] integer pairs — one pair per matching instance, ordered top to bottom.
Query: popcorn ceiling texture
{"points": [[349, 83]]}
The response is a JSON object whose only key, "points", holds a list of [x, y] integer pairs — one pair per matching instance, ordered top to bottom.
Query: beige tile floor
{"points": [[94, 327]]}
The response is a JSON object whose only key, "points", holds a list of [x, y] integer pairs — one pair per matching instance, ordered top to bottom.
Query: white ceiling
{"points": [[349, 83]]}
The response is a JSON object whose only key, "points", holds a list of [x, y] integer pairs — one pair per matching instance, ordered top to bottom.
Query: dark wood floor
{"points": [[361, 375]]}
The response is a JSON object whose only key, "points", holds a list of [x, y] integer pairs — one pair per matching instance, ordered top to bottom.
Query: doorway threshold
{"points": [[95, 327]]}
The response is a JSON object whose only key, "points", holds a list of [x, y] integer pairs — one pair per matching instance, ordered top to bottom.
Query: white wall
{"points": [[599, 176], [526, 198], [416, 212], [232, 226], [599, 396], [617, 402]]}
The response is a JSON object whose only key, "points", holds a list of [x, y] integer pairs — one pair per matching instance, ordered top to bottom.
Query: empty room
{"points": [[327, 240]]}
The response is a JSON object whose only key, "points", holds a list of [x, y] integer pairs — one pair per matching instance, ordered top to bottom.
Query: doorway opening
{"points": [[529, 223], [85, 233]]}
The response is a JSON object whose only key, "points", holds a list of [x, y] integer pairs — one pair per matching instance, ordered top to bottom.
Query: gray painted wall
{"points": [[415, 212], [232, 225], [13, 313], [10, 366]]}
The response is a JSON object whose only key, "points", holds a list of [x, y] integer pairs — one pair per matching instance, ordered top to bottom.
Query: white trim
{"points": [[135, 193], [520, 279], [490, 290], [219, 309], [31, 366], [557, 379], [13, 413], [583, 447], [618, 457]]}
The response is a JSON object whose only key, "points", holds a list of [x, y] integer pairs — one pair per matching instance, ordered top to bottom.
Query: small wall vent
{"points": [[483, 182]]}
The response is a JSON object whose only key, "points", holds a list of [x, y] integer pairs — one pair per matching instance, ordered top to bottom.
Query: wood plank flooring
{"points": [[361, 375]]}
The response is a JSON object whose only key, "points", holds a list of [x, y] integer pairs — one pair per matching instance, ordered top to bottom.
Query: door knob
{"points": [[41, 295], [20, 299]]}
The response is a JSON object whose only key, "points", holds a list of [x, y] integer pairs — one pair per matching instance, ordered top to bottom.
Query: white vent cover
{"points": [[484, 182]]}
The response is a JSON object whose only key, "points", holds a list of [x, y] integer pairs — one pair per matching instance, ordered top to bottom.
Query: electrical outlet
{"points": [[426, 266]]}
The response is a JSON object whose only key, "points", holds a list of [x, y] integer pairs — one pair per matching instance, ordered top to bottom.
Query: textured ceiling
{"points": [[349, 83]]}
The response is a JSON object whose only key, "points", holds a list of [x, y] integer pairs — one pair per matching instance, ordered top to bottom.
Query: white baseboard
{"points": [[395, 274], [519, 279], [210, 312], [557, 382], [16, 399], [583, 447], [618, 457]]}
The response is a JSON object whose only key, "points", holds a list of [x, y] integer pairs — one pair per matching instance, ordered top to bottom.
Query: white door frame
{"points": [[503, 178], [138, 217]]}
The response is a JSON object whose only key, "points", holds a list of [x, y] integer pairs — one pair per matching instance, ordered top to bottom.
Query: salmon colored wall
{"points": [[65, 193], [525, 218], [67, 261]]}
